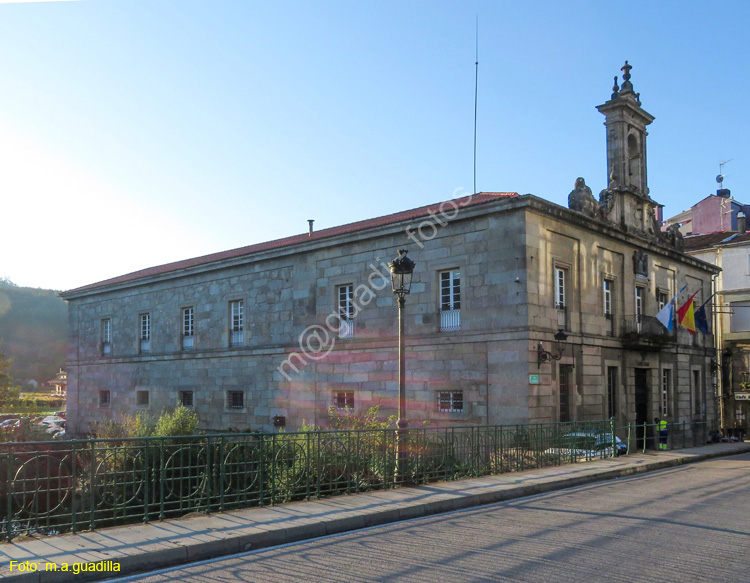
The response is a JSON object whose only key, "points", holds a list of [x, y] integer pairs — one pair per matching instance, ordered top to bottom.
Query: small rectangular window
{"points": [[608, 286], [561, 291], [661, 299], [450, 300], [346, 311], [237, 323], [188, 329], [145, 332], [106, 336], [142, 398], [104, 399], [186, 399], [343, 399], [235, 400], [450, 401]]}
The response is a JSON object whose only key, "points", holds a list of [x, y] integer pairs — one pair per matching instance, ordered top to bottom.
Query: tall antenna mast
{"points": [[476, 86], [720, 177]]}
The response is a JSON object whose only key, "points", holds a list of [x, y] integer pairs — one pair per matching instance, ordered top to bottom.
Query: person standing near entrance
{"points": [[661, 425]]}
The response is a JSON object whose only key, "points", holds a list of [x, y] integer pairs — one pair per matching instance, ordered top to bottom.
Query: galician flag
{"points": [[686, 314], [665, 315]]}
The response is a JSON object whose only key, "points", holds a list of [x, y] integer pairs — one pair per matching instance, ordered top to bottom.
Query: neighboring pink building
{"points": [[716, 212]]}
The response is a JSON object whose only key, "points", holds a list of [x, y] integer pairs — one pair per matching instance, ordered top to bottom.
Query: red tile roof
{"points": [[467, 201], [696, 242]]}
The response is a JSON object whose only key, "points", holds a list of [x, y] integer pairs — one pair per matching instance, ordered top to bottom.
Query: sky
{"points": [[138, 132]]}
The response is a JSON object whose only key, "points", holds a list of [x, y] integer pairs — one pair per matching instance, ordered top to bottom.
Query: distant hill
{"points": [[33, 331]]}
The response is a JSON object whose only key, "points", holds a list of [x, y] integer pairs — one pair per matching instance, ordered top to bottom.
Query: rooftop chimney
{"points": [[724, 193], [310, 222], [741, 222]]}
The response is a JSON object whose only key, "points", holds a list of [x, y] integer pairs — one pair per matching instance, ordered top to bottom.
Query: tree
{"points": [[8, 391]]}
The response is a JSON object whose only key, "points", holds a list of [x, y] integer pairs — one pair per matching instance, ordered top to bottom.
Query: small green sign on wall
{"points": [[533, 379]]}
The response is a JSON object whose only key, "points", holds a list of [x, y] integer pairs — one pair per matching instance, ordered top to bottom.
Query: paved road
{"points": [[690, 523]]}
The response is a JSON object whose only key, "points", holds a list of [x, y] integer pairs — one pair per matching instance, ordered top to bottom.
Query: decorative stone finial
{"points": [[626, 68], [627, 86], [615, 89]]}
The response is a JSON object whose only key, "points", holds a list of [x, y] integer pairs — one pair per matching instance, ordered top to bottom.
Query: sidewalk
{"points": [[145, 547]]}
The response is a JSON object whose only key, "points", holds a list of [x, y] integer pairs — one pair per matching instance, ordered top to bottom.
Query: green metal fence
{"points": [[69, 486]]}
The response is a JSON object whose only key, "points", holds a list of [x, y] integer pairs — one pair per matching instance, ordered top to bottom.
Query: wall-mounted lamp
{"points": [[543, 356]]}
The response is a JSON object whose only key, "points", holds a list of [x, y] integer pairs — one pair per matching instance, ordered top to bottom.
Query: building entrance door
{"points": [[642, 394]]}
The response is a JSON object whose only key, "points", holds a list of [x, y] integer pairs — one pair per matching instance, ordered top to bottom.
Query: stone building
{"points": [[273, 334]]}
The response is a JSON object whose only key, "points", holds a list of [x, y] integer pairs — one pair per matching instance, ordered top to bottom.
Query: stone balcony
{"points": [[645, 333]]}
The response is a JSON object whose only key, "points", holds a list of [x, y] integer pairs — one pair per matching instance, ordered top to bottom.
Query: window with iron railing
{"points": [[608, 289], [561, 296], [450, 300], [345, 301], [237, 323], [188, 329], [145, 333], [106, 337], [185, 398], [235, 400], [343, 400], [450, 401]]}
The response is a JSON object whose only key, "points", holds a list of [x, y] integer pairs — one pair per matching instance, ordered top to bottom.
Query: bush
{"points": [[181, 421]]}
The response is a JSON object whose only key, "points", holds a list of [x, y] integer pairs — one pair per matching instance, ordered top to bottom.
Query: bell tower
{"points": [[628, 201]]}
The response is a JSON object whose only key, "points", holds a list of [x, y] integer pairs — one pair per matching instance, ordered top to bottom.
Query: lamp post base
{"points": [[402, 454]]}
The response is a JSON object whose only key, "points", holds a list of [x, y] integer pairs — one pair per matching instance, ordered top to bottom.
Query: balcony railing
{"points": [[450, 320], [346, 328], [645, 333], [237, 337]]}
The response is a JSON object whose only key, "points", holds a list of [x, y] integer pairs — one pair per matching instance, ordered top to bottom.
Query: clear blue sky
{"points": [[138, 132]]}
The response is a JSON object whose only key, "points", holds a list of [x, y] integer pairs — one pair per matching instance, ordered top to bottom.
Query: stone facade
{"points": [[497, 276]]}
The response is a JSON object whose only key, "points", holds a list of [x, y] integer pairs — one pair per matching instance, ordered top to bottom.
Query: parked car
{"points": [[62, 414], [52, 420], [10, 424], [55, 427], [582, 446]]}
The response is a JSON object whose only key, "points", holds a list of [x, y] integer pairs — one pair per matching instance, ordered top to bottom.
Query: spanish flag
{"points": [[686, 314]]}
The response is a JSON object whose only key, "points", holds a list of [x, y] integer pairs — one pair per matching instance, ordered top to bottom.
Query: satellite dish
{"points": [[720, 178]]}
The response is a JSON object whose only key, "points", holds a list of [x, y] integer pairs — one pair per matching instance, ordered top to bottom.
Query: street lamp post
{"points": [[402, 269]]}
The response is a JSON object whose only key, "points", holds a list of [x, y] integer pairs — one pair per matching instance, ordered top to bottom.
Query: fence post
{"points": [[630, 430], [612, 432], [645, 436], [262, 469], [209, 475], [74, 478], [162, 478], [146, 479], [9, 490], [92, 491]]}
